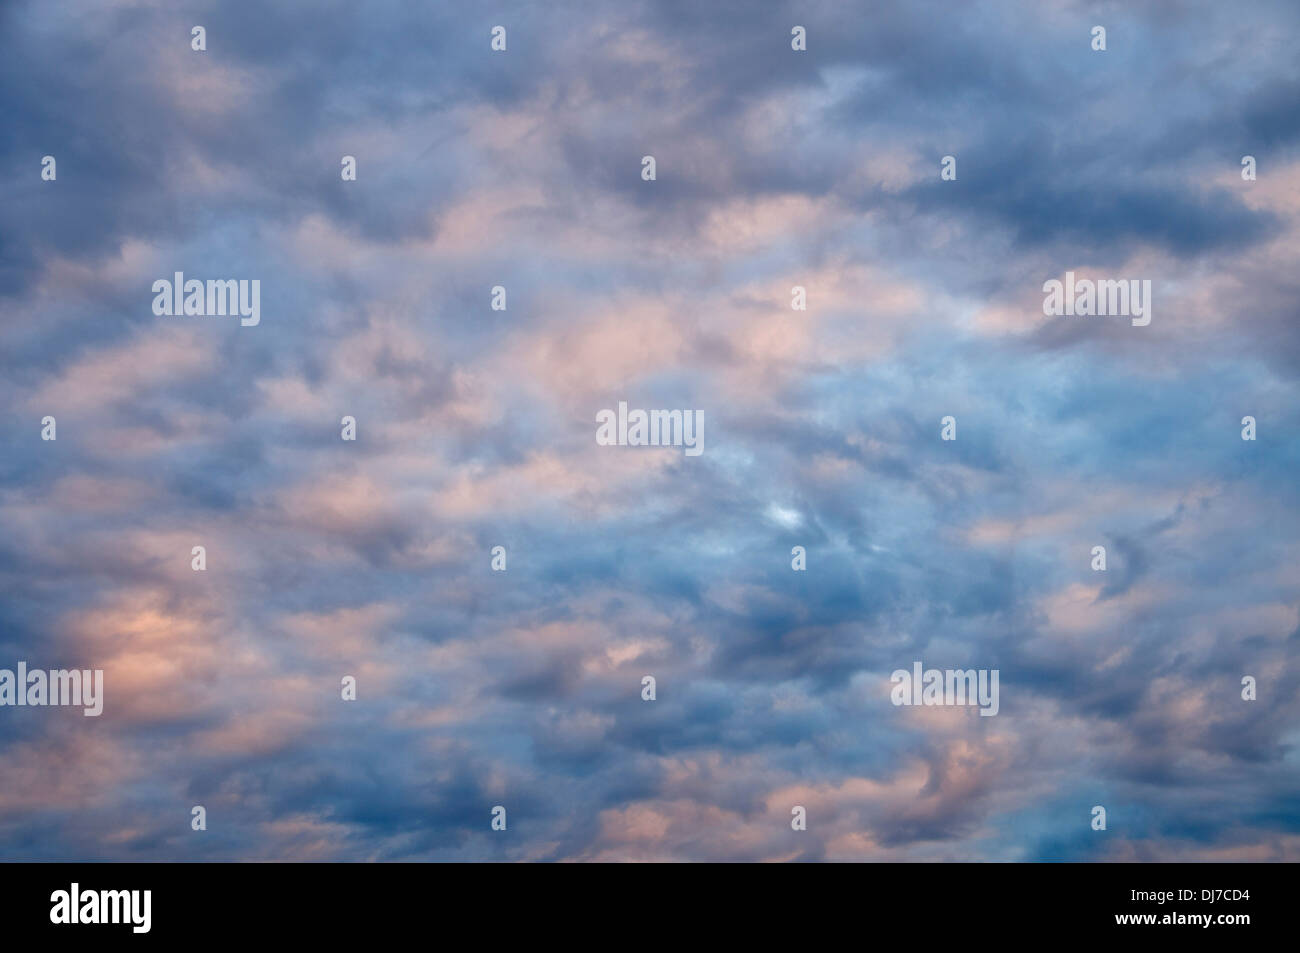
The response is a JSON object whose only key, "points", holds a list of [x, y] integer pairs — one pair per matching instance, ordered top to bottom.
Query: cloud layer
{"points": [[476, 429]]}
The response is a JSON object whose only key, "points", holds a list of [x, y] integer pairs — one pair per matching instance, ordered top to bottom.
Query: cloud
{"points": [[475, 429]]}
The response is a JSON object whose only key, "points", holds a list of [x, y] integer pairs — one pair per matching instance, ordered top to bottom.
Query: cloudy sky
{"points": [[475, 429]]}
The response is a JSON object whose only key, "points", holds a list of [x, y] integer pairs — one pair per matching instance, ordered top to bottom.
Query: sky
{"points": [[475, 428]]}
